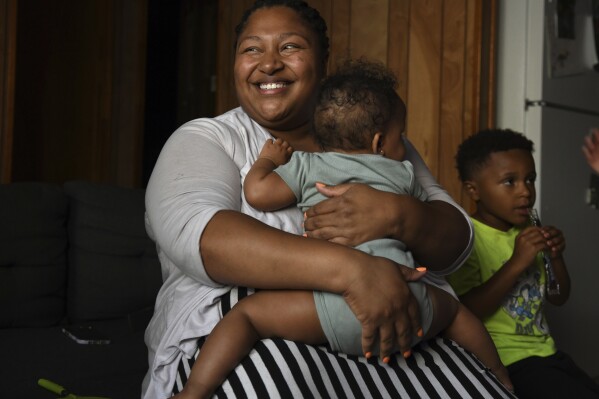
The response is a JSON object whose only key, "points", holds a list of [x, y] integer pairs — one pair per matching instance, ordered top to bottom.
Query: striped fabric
{"points": [[278, 368]]}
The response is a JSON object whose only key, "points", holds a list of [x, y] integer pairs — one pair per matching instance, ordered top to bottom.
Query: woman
{"points": [[209, 239]]}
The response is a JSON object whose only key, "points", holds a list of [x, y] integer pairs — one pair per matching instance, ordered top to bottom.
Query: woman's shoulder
{"points": [[231, 128]]}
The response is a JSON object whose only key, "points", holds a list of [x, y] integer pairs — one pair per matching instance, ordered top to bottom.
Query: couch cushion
{"points": [[33, 243], [113, 267], [114, 371]]}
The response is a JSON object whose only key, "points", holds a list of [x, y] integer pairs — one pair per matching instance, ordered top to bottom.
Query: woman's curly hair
{"points": [[355, 103], [474, 152]]}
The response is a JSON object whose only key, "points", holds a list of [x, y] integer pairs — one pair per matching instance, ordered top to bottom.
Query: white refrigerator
{"points": [[549, 90]]}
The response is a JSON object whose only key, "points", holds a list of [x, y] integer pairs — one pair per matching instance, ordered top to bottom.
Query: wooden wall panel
{"points": [[369, 31], [8, 39], [399, 43], [424, 79], [79, 91], [452, 112]]}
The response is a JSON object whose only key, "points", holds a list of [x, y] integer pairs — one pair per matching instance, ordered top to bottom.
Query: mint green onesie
{"points": [[301, 173]]}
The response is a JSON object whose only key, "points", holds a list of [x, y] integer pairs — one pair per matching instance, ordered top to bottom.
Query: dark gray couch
{"points": [[74, 254]]}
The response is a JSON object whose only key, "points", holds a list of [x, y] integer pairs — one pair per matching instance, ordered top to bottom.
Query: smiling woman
{"points": [[276, 71], [210, 240]]}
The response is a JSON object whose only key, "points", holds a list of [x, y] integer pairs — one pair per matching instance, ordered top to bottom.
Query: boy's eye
{"points": [[508, 182]]}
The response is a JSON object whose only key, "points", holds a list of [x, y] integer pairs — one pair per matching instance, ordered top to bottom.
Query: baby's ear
{"points": [[377, 143], [472, 189]]}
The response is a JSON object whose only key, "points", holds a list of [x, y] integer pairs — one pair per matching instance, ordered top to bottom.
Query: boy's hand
{"points": [[278, 151], [555, 241], [528, 244]]}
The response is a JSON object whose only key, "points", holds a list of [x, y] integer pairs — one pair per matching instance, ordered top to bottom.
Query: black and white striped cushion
{"points": [[278, 368]]}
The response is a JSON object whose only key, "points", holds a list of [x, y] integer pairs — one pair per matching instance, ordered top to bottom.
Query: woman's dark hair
{"points": [[309, 15], [355, 103], [475, 151]]}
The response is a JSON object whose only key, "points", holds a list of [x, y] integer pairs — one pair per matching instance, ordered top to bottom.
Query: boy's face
{"points": [[504, 189]]}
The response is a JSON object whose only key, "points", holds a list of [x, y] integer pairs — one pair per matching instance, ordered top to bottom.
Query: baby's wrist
{"points": [[267, 159]]}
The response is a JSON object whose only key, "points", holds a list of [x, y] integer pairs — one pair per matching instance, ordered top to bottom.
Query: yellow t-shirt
{"points": [[518, 327]]}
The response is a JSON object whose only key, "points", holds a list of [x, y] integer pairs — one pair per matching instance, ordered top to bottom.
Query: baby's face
{"points": [[393, 145]]}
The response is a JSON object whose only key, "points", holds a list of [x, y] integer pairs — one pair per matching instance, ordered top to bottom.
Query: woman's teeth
{"points": [[271, 86]]}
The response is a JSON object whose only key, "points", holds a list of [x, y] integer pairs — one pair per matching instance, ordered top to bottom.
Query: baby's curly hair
{"points": [[354, 103], [475, 151]]}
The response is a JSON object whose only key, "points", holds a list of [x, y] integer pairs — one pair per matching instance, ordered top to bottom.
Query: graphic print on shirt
{"points": [[525, 303]]}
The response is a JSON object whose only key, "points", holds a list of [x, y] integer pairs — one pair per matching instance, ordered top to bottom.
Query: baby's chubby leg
{"points": [[265, 314], [459, 324]]}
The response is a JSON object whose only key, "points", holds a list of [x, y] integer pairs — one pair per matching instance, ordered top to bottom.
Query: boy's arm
{"points": [[264, 189], [485, 299]]}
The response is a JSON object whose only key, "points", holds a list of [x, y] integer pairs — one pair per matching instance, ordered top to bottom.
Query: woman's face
{"points": [[278, 67]]}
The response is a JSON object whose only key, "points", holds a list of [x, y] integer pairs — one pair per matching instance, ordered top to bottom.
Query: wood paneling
{"points": [[8, 38], [440, 50], [79, 94]]}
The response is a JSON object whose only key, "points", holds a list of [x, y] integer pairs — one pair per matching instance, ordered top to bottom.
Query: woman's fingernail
{"points": [[320, 185], [305, 216], [305, 235], [421, 269], [420, 333], [407, 354], [368, 355], [386, 359]]}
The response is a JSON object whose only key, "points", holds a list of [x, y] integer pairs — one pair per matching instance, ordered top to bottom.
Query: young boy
{"points": [[359, 121], [504, 280]]}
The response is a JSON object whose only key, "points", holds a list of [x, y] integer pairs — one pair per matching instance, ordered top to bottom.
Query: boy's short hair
{"points": [[354, 103], [475, 151]]}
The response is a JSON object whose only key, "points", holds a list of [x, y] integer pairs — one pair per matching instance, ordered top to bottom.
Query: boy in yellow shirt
{"points": [[504, 280]]}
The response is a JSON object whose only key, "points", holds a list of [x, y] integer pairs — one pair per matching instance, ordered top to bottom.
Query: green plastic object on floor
{"points": [[63, 393]]}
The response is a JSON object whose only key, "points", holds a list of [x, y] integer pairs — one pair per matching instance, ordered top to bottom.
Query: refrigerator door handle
{"points": [[542, 103]]}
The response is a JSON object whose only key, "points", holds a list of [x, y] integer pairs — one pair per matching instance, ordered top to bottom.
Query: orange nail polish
{"points": [[320, 185], [421, 269], [420, 333], [407, 354], [368, 355], [386, 359]]}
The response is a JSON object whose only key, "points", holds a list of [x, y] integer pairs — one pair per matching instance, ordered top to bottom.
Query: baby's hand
{"points": [[278, 151]]}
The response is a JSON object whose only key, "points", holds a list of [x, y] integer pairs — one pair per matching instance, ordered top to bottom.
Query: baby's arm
{"points": [[264, 189]]}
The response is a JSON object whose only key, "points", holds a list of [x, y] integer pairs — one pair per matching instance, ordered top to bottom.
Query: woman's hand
{"points": [[353, 214], [436, 232], [383, 303]]}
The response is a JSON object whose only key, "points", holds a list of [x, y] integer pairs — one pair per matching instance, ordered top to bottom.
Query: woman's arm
{"points": [[438, 232], [239, 250]]}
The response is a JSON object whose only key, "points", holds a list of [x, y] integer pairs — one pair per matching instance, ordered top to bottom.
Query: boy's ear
{"points": [[377, 143], [472, 189]]}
